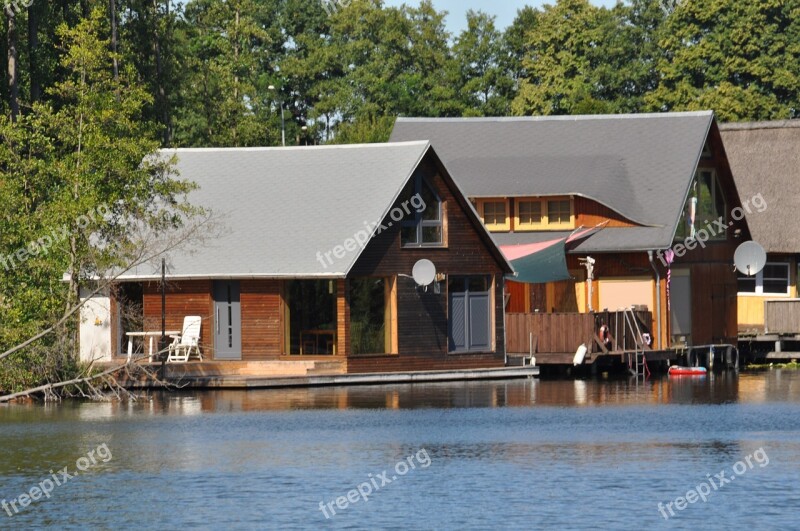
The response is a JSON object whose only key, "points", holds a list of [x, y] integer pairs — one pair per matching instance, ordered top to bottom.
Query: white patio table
{"points": [[151, 336]]}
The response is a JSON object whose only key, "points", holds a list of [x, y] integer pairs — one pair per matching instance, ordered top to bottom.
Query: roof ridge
{"points": [[574, 117], [752, 126], [259, 149]]}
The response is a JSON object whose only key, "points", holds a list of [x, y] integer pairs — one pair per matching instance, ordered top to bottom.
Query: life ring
{"points": [[604, 336]]}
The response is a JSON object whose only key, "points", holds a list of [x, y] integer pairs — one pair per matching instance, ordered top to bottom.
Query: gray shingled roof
{"points": [[765, 159], [640, 166], [280, 206]]}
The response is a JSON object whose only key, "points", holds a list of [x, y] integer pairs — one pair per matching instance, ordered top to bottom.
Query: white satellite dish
{"points": [[750, 258], [424, 272]]}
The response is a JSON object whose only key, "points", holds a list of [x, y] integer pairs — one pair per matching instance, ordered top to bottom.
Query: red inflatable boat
{"points": [[687, 371]]}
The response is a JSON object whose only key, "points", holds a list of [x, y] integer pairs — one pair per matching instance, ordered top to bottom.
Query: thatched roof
{"points": [[765, 159]]}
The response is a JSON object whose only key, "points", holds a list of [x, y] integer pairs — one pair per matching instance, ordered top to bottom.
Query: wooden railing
{"points": [[782, 316], [551, 332], [561, 333]]}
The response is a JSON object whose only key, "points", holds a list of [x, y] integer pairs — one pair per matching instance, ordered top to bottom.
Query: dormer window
{"points": [[553, 213], [495, 214], [423, 226]]}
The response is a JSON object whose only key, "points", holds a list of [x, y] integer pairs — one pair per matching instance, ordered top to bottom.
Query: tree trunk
{"points": [[112, 8], [33, 50], [13, 79], [161, 96]]}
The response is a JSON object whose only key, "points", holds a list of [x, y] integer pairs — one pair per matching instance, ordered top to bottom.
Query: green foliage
{"points": [[738, 58], [197, 72], [481, 77], [366, 130], [73, 181]]}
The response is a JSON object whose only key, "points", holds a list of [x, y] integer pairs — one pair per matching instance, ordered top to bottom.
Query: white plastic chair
{"points": [[187, 344]]}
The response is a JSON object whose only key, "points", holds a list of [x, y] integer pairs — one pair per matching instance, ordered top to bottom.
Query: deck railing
{"points": [[782, 316], [551, 332], [562, 333]]}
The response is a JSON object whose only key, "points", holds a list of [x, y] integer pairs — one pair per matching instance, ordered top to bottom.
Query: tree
{"points": [[560, 58], [738, 58], [483, 82], [224, 98], [76, 180]]}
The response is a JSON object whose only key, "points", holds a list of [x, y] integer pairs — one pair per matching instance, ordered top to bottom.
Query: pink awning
{"points": [[513, 252]]}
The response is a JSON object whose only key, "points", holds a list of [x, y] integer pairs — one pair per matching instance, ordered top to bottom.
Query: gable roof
{"points": [[765, 159], [640, 166], [281, 206]]}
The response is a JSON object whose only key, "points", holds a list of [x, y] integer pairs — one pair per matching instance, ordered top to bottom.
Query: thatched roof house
{"points": [[765, 159]]}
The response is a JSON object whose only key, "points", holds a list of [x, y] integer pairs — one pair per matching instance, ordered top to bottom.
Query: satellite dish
{"points": [[750, 258], [424, 272]]}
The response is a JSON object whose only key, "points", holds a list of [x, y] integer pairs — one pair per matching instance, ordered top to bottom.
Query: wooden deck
{"points": [[189, 375]]}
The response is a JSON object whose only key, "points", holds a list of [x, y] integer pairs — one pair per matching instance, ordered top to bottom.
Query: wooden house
{"points": [[765, 160], [617, 192], [314, 264]]}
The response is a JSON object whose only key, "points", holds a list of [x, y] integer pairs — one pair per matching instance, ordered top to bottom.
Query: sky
{"points": [[504, 10]]}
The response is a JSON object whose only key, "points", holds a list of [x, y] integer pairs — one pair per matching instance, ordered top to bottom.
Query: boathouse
{"points": [[765, 161], [601, 214], [314, 266]]}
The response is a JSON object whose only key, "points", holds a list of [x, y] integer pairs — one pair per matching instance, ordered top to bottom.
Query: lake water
{"points": [[506, 455]]}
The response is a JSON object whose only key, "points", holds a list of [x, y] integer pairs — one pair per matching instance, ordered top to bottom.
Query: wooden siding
{"points": [[590, 213], [518, 296], [183, 298], [262, 307], [750, 314], [423, 315], [782, 316], [342, 317], [553, 332], [400, 363]]}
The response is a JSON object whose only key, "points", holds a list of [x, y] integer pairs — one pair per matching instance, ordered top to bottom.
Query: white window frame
{"points": [[760, 283]]}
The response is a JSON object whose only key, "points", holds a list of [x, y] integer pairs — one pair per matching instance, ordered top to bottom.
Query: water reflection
{"points": [[772, 386], [255, 459]]}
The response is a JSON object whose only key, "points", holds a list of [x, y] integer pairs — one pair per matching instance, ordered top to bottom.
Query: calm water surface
{"points": [[505, 455]]}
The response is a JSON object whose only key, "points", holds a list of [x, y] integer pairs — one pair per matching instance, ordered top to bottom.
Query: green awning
{"points": [[547, 263]]}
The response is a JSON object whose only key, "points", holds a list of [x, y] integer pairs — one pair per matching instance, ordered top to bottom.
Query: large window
{"points": [[707, 202], [543, 214], [423, 227], [773, 280], [370, 315], [311, 317]]}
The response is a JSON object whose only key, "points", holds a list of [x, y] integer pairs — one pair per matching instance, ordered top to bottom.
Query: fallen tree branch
{"points": [[106, 377]]}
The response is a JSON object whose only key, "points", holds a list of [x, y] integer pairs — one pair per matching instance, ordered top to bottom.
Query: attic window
{"points": [[707, 154], [707, 202], [495, 214], [544, 214], [424, 226]]}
